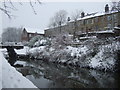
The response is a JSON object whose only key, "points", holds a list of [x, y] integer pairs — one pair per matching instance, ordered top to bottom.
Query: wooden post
{"points": [[12, 55]]}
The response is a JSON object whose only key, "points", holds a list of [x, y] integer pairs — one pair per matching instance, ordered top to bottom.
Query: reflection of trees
{"points": [[31, 71], [35, 72], [68, 77], [71, 77]]}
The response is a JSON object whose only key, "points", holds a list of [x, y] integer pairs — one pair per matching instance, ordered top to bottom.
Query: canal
{"points": [[51, 75]]}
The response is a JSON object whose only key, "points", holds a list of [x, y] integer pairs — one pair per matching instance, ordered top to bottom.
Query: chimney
{"points": [[106, 8], [82, 14], [68, 19]]}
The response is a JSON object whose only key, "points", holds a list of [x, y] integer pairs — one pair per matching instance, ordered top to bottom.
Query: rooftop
{"points": [[94, 15], [34, 30]]}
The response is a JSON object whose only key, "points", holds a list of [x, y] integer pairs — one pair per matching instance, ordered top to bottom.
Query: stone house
{"points": [[88, 23], [28, 33]]}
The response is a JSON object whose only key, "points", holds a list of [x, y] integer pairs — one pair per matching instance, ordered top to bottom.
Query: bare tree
{"points": [[7, 6], [115, 6], [75, 16], [58, 19], [52, 23], [11, 34], [61, 40]]}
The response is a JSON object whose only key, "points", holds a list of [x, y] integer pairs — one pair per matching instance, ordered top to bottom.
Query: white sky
{"points": [[26, 18]]}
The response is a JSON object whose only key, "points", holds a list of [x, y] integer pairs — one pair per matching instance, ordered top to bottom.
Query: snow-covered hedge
{"points": [[39, 41], [92, 53]]}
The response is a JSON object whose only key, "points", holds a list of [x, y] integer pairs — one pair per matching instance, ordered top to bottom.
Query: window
{"points": [[115, 16], [109, 18], [96, 19], [102, 19], [89, 21], [92, 21], [83, 22], [79, 23], [115, 24], [109, 26], [96, 27], [24, 34], [30, 35]]}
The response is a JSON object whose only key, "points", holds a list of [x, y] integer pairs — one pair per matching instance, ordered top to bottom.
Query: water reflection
{"points": [[49, 75]]}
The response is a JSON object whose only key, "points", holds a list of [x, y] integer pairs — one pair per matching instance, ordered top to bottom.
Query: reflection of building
{"points": [[89, 23], [28, 33]]}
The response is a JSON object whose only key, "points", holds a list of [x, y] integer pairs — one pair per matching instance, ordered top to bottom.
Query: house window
{"points": [[115, 16], [109, 18], [96, 19], [103, 19], [87, 21], [92, 21], [83, 22], [115, 24], [109, 26], [96, 27], [25, 34], [30, 35]]}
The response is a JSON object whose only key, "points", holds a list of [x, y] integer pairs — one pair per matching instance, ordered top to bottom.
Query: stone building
{"points": [[88, 23], [28, 33]]}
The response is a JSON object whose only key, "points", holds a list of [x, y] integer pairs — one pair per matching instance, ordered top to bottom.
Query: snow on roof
{"points": [[92, 15], [95, 15], [34, 30]]}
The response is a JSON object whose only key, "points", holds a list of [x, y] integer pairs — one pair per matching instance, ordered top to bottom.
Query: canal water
{"points": [[51, 75]]}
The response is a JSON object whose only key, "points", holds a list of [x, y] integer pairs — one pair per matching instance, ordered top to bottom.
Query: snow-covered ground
{"points": [[11, 44], [22, 51], [20, 63], [0, 73], [10, 77]]}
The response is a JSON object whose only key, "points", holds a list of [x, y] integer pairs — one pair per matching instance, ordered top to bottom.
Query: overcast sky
{"points": [[25, 17]]}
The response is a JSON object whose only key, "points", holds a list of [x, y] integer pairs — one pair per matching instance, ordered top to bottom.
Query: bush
{"points": [[33, 40], [39, 41]]}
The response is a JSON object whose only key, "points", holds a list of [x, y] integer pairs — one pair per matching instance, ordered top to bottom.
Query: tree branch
{"points": [[39, 2], [12, 5], [8, 6], [32, 7], [6, 12]]}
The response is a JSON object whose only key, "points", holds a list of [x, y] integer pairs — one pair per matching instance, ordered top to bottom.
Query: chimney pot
{"points": [[106, 8], [82, 14]]}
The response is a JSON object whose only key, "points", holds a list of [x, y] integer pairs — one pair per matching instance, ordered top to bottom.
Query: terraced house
{"points": [[88, 23]]}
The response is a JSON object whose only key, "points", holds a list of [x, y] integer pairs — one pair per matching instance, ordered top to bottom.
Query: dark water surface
{"points": [[50, 75]]}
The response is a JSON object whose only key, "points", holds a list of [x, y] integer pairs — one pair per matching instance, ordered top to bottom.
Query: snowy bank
{"points": [[22, 51], [93, 53], [20, 63], [0, 72], [10, 78]]}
